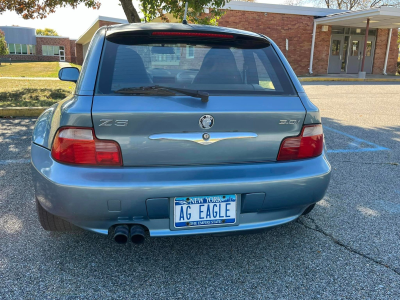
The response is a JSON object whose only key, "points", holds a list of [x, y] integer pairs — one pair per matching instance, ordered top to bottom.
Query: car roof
{"points": [[113, 29]]}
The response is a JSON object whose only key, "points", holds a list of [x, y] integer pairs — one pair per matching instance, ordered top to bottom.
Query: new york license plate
{"points": [[204, 210]]}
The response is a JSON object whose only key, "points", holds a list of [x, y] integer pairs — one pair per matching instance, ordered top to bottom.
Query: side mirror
{"points": [[69, 74]]}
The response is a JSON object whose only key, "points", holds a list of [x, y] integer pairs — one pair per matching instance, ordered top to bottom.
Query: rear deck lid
{"points": [[251, 107]]}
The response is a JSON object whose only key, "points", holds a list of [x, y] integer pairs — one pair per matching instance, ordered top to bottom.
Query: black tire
{"points": [[308, 209], [51, 222]]}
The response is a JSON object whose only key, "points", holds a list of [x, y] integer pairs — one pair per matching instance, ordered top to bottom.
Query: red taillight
{"points": [[193, 34], [309, 144], [80, 146]]}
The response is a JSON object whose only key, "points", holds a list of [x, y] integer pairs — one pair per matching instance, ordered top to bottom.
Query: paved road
{"points": [[347, 248]]}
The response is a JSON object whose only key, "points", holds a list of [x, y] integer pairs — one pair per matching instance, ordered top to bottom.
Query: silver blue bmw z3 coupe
{"points": [[178, 129]]}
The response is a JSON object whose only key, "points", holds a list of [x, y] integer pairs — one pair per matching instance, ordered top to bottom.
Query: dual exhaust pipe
{"points": [[122, 233]]}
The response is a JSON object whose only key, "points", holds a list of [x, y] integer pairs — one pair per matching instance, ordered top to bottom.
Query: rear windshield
{"points": [[217, 68]]}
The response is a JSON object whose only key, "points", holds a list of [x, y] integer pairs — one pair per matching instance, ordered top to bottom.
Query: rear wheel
{"points": [[308, 209], [51, 222]]}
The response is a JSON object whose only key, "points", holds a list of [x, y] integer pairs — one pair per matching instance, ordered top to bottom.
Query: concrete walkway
{"points": [[64, 64], [349, 77]]}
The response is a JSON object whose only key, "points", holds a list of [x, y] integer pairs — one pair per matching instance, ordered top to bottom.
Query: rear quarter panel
{"points": [[75, 110], [312, 112]]}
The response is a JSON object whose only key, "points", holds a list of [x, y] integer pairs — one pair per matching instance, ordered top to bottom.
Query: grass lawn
{"points": [[76, 66], [29, 69], [24, 93]]}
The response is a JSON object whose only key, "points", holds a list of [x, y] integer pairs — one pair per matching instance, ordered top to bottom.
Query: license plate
{"points": [[204, 210]]}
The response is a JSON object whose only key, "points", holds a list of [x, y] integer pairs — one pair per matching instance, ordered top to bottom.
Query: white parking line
{"points": [[15, 161]]}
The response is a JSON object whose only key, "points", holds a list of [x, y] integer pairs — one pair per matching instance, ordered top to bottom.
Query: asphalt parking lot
{"points": [[348, 247]]}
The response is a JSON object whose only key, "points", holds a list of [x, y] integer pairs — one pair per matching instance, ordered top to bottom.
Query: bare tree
{"points": [[295, 2], [354, 4]]}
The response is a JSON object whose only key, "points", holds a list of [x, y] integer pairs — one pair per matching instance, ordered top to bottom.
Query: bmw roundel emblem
{"points": [[206, 121]]}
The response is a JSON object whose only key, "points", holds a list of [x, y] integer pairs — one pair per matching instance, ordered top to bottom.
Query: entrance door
{"points": [[62, 53], [356, 53], [369, 54], [335, 55], [354, 60]]}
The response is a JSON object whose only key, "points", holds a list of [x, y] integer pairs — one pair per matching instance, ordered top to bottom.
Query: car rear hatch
{"points": [[252, 104]]}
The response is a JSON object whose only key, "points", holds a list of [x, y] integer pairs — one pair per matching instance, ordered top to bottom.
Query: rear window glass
{"points": [[217, 68]]}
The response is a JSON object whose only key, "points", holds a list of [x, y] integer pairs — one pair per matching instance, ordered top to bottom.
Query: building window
{"points": [[337, 30], [335, 47], [11, 48], [17, 48], [354, 48], [21, 49], [24, 49], [32, 49], [369, 49], [44, 50], [51, 50], [56, 50], [189, 52]]}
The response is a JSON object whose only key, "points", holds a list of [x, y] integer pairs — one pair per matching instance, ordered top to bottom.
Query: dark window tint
{"points": [[216, 69]]}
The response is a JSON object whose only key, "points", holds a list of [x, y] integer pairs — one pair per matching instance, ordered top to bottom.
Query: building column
{"points": [[312, 47], [387, 51], [362, 74]]}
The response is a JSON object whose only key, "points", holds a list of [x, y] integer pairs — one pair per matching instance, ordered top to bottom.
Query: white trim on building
{"points": [[281, 9], [53, 37], [83, 39]]}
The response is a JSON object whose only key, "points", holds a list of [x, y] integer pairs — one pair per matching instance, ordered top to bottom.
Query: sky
{"points": [[73, 23]]}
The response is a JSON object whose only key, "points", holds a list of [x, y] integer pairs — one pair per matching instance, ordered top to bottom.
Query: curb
{"points": [[311, 79], [21, 111]]}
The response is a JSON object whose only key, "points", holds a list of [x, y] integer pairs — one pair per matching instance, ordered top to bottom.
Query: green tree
{"points": [[151, 9], [46, 32], [3, 44]]}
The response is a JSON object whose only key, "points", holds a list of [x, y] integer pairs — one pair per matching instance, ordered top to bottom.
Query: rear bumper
{"points": [[98, 198]]}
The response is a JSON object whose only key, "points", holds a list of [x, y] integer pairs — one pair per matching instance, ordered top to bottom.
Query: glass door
{"points": [[62, 53], [336, 54], [369, 54], [355, 57]]}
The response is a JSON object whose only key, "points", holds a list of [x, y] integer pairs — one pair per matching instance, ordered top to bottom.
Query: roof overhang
{"points": [[280, 8], [382, 17], [89, 33]]}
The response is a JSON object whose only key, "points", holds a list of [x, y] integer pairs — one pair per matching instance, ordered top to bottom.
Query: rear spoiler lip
{"points": [[140, 27], [148, 34]]}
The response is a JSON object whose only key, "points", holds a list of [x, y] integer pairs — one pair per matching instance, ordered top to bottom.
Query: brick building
{"points": [[314, 40], [320, 40], [24, 44]]}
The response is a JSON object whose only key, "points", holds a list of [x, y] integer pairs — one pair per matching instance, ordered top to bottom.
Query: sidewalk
{"points": [[64, 64], [350, 77]]}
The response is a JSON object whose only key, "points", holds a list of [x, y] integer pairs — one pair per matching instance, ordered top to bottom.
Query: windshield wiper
{"points": [[154, 89]]}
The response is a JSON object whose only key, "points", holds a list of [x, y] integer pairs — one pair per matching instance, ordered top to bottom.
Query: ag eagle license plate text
{"points": [[204, 210]]}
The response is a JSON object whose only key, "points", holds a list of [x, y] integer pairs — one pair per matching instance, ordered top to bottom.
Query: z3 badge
{"points": [[111, 122], [288, 122]]}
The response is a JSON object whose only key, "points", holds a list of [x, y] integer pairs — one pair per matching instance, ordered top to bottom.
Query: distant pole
{"points": [[185, 14], [365, 45], [312, 48], [387, 51]]}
